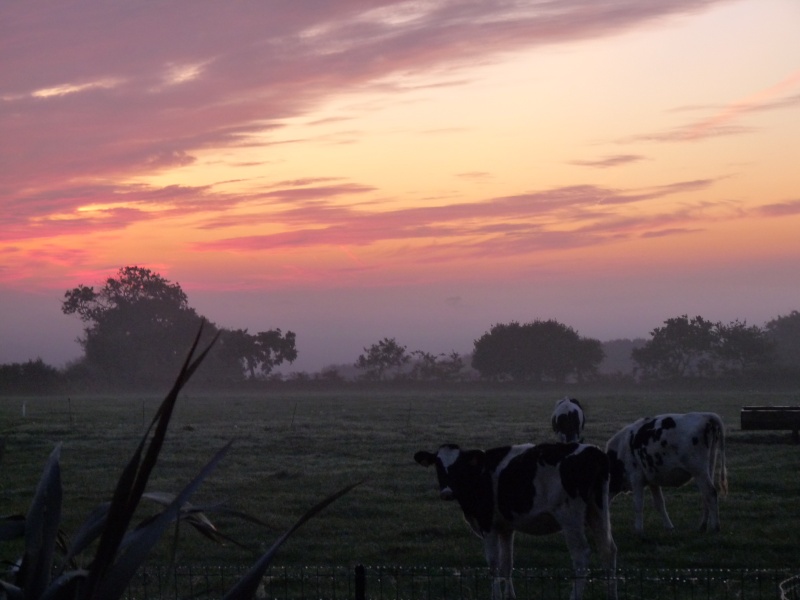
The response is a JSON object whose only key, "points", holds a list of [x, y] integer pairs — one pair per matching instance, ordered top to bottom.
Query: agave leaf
{"points": [[136, 473], [188, 509], [189, 514], [196, 517], [12, 527], [41, 528], [87, 533], [136, 546], [66, 586], [247, 586], [10, 591]]}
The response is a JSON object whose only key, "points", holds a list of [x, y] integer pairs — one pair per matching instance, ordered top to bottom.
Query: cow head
{"points": [[456, 469]]}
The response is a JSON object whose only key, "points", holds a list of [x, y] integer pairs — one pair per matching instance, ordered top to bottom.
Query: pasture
{"points": [[293, 447]]}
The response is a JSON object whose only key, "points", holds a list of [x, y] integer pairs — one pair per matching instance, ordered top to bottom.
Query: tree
{"points": [[137, 324], [784, 332], [682, 347], [697, 347], [743, 349], [537, 351], [255, 355], [380, 358], [436, 367], [29, 377]]}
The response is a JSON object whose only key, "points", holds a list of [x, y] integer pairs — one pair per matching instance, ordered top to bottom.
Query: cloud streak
{"points": [[174, 82], [722, 121], [574, 216]]}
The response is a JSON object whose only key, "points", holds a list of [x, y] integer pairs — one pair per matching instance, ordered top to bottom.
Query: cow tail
{"points": [[723, 471]]}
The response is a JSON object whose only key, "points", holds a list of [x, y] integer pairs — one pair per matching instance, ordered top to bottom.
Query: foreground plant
{"points": [[120, 549]]}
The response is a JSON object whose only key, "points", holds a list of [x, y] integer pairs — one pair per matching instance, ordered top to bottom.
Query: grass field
{"points": [[294, 447]]}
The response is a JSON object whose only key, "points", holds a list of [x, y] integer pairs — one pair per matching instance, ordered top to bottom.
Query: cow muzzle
{"points": [[446, 494]]}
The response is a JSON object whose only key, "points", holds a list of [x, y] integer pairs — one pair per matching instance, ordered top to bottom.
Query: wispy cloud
{"points": [[723, 120], [614, 160], [780, 209], [573, 216]]}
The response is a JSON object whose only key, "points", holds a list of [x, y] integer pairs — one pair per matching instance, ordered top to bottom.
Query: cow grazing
{"points": [[568, 420], [668, 451], [538, 490]]}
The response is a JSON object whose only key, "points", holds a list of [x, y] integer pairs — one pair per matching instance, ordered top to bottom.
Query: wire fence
{"points": [[422, 583]]}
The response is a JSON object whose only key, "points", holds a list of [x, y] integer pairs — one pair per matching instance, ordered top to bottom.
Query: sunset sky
{"points": [[359, 169]]}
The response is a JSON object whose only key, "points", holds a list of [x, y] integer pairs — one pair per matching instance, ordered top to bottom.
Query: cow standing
{"points": [[568, 420], [668, 451], [533, 489]]}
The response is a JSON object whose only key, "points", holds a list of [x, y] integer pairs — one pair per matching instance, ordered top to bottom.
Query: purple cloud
{"points": [[780, 209]]}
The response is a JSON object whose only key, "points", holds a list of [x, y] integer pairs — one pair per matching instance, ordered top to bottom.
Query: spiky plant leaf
{"points": [[135, 475], [195, 516], [12, 527], [41, 529], [86, 534], [136, 546], [66, 586], [247, 586], [11, 591]]}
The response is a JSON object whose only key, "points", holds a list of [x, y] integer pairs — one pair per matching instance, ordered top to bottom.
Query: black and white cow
{"points": [[568, 420], [668, 451], [538, 490]]}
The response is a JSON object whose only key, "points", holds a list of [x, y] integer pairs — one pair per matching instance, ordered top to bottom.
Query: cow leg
{"points": [[708, 493], [661, 507], [638, 508], [599, 521], [498, 548], [491, 550], [579, 551], [506, 566]]}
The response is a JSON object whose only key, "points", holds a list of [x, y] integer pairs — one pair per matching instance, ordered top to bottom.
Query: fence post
{"points": [[361, 583]]}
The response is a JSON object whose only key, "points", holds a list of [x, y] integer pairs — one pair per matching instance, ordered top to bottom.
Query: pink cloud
{"points": [[95, 92], [780, 209], [582, 215]]}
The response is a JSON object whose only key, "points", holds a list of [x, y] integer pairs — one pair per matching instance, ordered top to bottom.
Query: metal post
{"points": [[361, 583]]}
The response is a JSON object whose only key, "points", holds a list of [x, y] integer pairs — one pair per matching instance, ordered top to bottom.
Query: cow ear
{"points": [[475, 458], [426, 459]]}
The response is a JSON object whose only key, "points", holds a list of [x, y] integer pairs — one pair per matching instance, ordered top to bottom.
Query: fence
{"points": [[401, 583]]}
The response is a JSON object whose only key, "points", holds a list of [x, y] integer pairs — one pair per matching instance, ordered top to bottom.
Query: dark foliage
{"points": [[138, 322], [700, 349], [538, 351]]}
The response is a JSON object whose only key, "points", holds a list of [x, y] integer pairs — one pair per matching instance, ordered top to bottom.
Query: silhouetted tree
{"points": [[138, 324], [784, 332], [682, 347], [699, 348], [743, 349], [537, 351], [381, 358], [436, 367], [31, 377]]}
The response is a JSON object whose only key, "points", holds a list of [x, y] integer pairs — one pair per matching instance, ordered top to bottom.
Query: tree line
{"points": [[137, 326]]}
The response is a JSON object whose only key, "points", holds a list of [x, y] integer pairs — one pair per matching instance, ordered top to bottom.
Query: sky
{"points": [[418, 170]]}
